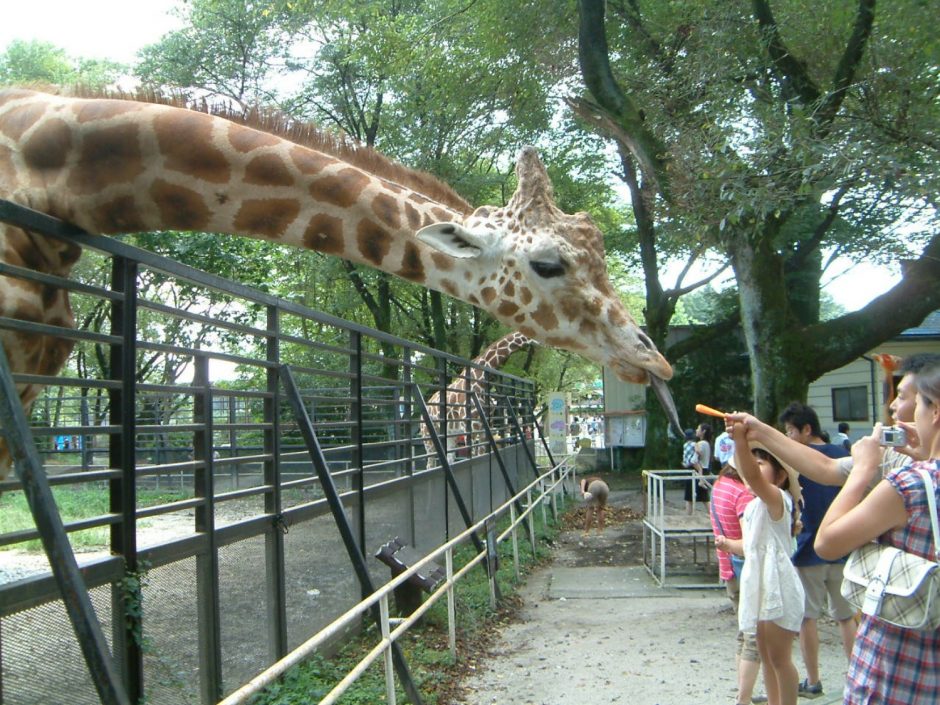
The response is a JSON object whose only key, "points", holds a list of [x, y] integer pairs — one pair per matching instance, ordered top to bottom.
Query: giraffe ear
{"points": [[453, 239]]}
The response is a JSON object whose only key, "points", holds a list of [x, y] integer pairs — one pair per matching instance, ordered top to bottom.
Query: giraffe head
{"points": [[547, 278]]}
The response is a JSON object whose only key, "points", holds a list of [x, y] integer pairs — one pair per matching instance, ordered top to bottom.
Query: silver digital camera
{"points": [[894, 436]]}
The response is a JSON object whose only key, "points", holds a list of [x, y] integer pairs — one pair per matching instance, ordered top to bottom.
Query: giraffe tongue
{"points": [[665, 400]]}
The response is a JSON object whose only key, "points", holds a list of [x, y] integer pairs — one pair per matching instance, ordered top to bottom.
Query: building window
{"points": [[850, 403]]}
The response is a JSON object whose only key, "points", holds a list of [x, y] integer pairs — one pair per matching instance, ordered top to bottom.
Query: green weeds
{"points": [[425, 647]]}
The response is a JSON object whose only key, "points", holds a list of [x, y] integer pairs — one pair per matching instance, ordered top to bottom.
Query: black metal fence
{"points": [[186, 487]]}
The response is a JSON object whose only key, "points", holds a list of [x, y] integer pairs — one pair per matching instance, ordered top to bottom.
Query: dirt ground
{"points": [[659, 646]]}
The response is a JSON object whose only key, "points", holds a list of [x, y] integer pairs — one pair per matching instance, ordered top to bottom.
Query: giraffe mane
{"points": [[306, 134]]}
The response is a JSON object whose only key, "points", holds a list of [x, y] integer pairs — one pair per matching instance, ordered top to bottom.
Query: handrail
{"points": [[268, 676]]}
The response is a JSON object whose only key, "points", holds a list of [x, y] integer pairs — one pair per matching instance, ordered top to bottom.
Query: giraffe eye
{"points": [[547, 270]]}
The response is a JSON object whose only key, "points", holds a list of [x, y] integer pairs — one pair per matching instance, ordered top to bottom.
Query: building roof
{"points": [[929, 328]]}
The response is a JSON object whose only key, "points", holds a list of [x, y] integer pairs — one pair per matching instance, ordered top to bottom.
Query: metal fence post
{"points": [[355, 368], [123, 455], [207, 563], [275, 579], [451, 604], [389, 665]]}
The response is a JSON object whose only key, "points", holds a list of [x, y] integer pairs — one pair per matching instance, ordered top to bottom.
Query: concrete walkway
{"points": [[602, 634]]}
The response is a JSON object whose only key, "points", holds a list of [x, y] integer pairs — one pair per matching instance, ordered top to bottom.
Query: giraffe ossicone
{"points": [[115, 166]]}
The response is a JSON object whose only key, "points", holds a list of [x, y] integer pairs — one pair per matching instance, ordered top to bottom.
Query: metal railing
{"points": [[547, 487], [199, 494]]}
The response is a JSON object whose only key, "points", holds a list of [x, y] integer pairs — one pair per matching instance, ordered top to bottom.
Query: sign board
{"points": [[557, 422]]}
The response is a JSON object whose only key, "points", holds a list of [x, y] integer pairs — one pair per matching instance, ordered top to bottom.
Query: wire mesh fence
{"points": [[189, 495]]}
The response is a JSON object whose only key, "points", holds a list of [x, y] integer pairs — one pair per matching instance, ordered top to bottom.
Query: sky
{"points": [[116, 29]]}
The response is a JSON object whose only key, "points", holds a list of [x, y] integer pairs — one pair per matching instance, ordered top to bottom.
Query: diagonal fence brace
{"points": [[517, 428], [491, 439], [452, 482], [342, 522], [55, 541]]}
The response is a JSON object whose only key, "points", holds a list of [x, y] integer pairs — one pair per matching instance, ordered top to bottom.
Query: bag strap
{"points": [[932, 504], [711, 506]]}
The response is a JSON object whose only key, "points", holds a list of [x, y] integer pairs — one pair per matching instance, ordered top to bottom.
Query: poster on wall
{"points": [[558, 403], [627, 429]]}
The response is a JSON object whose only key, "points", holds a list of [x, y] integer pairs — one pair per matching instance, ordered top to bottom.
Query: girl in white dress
{"points": [[771, 592]]}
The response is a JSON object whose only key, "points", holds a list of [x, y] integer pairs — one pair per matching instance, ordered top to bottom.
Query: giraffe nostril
{"points": [[645, 340]]}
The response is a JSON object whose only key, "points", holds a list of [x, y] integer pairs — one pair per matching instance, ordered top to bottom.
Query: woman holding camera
{"points": [[891, 665]]}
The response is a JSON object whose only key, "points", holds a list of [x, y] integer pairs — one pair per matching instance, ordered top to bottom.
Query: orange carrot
{"points": [[702, 409]]}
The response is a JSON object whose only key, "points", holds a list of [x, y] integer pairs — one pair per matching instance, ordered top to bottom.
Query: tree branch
{"points": [[851, 57], [790, 70], [612, 102], [902, 307]]}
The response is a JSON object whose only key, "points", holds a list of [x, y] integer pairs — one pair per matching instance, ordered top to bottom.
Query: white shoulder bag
{"points": [[893, 585]]}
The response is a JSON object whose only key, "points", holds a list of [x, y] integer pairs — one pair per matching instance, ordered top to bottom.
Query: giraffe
{"points": [[114, 166], [472, 378]]}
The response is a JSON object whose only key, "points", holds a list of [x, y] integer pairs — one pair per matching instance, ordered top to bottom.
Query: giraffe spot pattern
{"points": [[99, 110], [17, 121], [244, 139], [186, 144], [48, 147], [109, 155], [309, 161], [268, 170], [340, 189], [179, 207], [386, 208], [119, 215], [442, 215], [268, 217], [414, 218], [325, 234], [373, 240], [20, 252], [442, 262], [411, 266], [450, 288], [488, 294], [525, 295], [571, 307], [507, 309], [617, 316], [545, 317], [565, 342]]}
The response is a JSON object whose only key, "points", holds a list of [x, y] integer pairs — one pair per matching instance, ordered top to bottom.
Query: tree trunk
{"points": [[779, 370]]}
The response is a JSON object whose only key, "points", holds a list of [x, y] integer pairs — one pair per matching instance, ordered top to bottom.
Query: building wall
{"points": [[861, 372]]}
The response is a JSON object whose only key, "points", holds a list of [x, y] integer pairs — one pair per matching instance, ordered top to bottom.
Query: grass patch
{"points": [[74, 503], [437, 677]]}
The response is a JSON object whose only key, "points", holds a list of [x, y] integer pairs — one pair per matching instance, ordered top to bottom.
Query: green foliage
{"points": [[231, 48], [42, 63], [425, 647]]}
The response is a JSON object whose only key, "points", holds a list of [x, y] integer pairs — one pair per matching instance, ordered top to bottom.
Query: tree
{"points": [[232, 49], [35, 62], [779, 140]]}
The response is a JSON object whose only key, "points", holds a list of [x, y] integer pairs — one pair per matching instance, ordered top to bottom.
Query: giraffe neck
{"points": [[112, 166], [496, 354]]}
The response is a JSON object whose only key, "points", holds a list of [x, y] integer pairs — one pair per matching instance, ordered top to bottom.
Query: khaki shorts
{"points": [[599, 492], [823, 583], [746, 648]]}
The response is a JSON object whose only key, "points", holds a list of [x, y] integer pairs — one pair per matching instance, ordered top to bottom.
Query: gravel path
{"points": [[665, 646]]}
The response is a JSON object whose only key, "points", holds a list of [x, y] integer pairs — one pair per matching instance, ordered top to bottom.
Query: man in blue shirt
{"points": [[822, 579]]}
